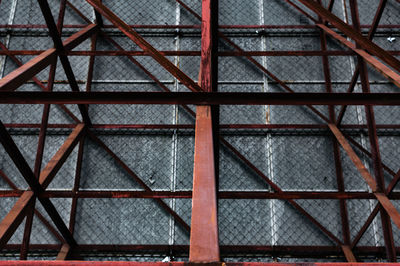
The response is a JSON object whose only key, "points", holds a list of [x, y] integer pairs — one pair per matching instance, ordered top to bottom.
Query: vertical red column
{"points": [[204, 228]]}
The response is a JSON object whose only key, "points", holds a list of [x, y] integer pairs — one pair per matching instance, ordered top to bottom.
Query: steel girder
{"points": [[366, 50]]}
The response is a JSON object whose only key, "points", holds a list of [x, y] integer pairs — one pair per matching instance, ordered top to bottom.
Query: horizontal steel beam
{"points": [[187, 26], [363, 42], [142, 43], [192, 53], [374, 62], [22, 74], [200, 98], [191, 126], [188, 194], [379, 194], [12, 220], [279, 250], [173, 263]]}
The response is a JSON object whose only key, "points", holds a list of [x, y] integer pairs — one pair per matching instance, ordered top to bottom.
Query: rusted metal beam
{"points": [[189, 26], [371, 34], [142, 43], [364, 43], [59, 46], [122, 52], [130, 57], [22, 74], [208, 74], [392, 75], [272, 76], [36, 80], [200, 98], [222, 126], [41, 142], [336, 152], [61, 155], [376, 157], [23, 167], [36, 171], [389, 192], [18, 193], [283, 195], [381, 197], [14, 218], [11, 222], [204, 244], [204, 247], [276, 250], [64, 252], [348, 253], [174, 263]]}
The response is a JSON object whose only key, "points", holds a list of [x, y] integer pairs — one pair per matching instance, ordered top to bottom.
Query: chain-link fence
{"points": [[150, 148]]}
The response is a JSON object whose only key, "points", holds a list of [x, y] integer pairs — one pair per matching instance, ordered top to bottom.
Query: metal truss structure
{"points": [[297, 191]]}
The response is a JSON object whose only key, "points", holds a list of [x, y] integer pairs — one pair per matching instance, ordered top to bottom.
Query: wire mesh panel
{"points": [[121, 221]]}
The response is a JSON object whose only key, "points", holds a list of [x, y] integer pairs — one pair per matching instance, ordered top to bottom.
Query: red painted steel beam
{"points": [[193, 26], [371, 34], [56, 36], [360, 40], [142, 43], [364, 43], [239, 49], [191, 53], [130, 58], [252, 60], [255, 62], [22, 74], [390, 74], [37, 81], [281, 83], [200, 98], [222, 126], [41, 142], [336, 152], [376, 157], [36, 186], [389, 192], [18, 193], [188, 194], [381, 197], [14, 218], [11, 222], [204, 245], [294, 251], [64, 253], [130, 263]]}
